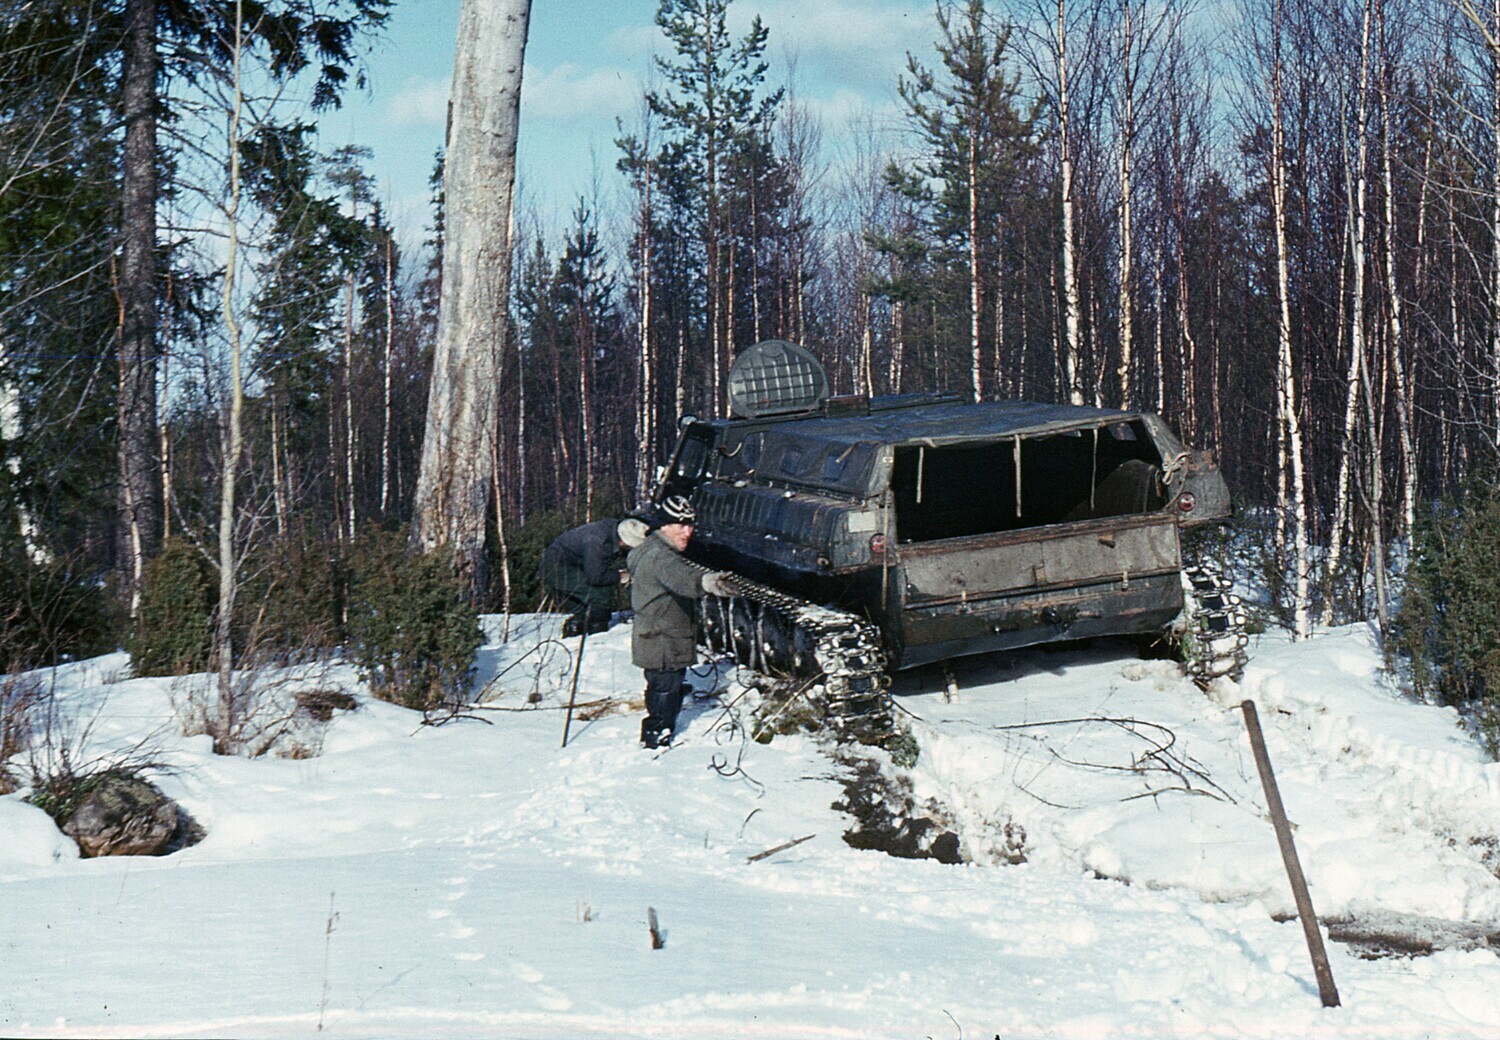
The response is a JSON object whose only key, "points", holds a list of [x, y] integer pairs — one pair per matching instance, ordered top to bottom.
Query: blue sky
{"points": [[586, 63]]}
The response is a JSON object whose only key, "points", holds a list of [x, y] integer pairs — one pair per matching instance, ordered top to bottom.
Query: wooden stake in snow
{"points": [[573, 692], [779, 848], [657, 942], [1326, 989]]}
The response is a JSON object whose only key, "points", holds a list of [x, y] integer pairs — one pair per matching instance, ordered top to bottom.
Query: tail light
{"points": [[1187, 502], [877, 545]]}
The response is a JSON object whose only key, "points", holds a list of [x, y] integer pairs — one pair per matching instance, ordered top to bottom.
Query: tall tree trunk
{"points": [[1493, 36], [1356, 186], [1126, 303], [584, 337], [1159, 339], [898, 344], [1395, 346], [976, 359], [1072, 363], [387, 400], [645, 414], [140, 472], [1292, 480], [280, 481], [453, 488], [350, 519], [226, 724]]}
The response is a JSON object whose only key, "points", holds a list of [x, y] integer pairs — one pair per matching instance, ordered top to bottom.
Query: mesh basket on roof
{"points": [[775, 377]]}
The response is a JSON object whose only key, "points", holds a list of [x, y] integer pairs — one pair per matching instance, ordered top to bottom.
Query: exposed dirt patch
{"points": [[319, 705], [887, 817], [1376, 936]]}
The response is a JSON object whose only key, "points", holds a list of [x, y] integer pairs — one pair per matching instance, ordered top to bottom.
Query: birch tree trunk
{"points": [[1492, 34], [1355, 180], [1126, 302], [1074, 310], [976, 358], [1395, 360], [387, 399], [645, 415], [10, 433], [232, 436], [458, 457], [1292, 482], [351, 520]]}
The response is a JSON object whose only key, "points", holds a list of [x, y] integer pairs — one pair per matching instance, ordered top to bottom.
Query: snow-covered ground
{"points": [[476, 879]]}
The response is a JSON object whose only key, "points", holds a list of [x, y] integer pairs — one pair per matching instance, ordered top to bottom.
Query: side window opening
{"points": [[690, 463], [956, 491]]}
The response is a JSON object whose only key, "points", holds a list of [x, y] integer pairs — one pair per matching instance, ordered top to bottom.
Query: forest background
{"points": [[1275, 222]]}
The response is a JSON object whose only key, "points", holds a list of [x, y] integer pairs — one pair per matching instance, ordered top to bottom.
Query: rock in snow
{"points": [[127, 816]]}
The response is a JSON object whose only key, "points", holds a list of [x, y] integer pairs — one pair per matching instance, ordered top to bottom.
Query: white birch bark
{"points": [[1492, 33], [1356, 181], [1126, 300], [1395, 348], [976, 358], [1072, 362], [387, 397], [645, 413], [10, 433], [349, 435], [232, 436], [1292, 482], [454, 484]]}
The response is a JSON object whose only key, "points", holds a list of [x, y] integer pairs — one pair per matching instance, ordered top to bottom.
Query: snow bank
{"points": [[477, 879]]}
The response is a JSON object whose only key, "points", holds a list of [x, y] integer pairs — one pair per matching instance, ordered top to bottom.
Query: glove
{"points": [[716, 583]]}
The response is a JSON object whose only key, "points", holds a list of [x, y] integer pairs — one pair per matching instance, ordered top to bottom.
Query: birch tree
{"points": [[1144, 36], [1059, 45], [1356, 184], [458, 449], [1291, 479]]}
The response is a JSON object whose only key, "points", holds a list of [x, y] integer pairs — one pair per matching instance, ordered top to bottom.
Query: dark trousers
{"points": [[588, 605], [664, 692]]}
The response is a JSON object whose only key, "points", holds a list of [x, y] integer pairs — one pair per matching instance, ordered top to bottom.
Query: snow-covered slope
{"points": [[476, 879]]}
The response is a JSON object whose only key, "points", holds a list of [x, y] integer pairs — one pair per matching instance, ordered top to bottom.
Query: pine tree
{"points": [[712, 112], [974, 143]]}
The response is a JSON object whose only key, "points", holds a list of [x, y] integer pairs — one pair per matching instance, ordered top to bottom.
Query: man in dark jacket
{"points": [[582, 568], [664, 592]]}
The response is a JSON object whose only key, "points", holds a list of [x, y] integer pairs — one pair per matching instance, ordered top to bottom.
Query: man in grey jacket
{"points": [[664, 593]]}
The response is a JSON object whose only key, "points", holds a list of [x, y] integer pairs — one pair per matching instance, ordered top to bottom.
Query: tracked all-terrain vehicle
{"points": [[866, 534]]}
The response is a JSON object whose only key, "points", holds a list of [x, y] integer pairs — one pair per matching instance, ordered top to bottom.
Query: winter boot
{"points": [[670, 709], [657, 719], [650, 733]]}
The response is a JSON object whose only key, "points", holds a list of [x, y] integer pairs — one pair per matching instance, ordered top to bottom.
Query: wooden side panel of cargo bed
{"points": [[1039, 559]]}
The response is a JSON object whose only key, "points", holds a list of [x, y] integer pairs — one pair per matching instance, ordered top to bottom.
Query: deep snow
{"points": [[475, 879]]}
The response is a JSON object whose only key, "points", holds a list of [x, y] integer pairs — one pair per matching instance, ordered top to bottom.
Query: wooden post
{"points": [[573, 691], [1326, 989]]}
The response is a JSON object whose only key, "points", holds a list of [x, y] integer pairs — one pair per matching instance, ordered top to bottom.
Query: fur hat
{"points": [[632, 531]]}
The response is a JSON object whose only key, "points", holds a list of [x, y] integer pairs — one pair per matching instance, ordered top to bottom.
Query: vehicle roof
{"points": [[890, 421]]}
